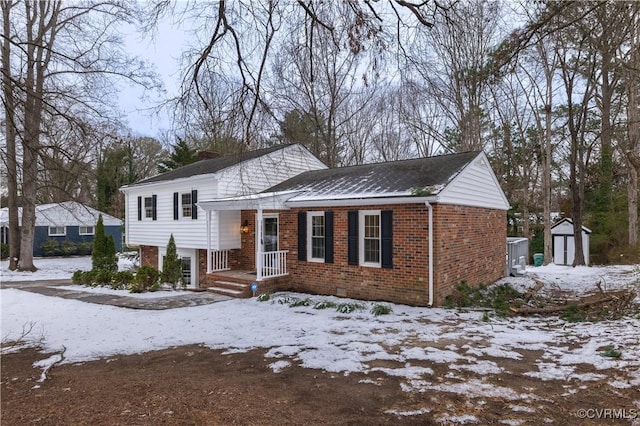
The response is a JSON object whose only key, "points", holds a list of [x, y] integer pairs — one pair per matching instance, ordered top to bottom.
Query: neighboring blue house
{"points": [[65, 226]]}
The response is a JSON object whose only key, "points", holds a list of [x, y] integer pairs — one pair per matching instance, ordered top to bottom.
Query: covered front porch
{"points": [[255, 255]]}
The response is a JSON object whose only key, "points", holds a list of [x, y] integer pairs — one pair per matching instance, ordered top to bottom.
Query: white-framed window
{"points": [[187, 204], [148, 207], [86, 230], [57, 231], [369, 235], [316, 236]]}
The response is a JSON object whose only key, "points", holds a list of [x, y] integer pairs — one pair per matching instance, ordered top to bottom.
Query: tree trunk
{"points": [[41, 18], [10, 135], [632, 152], [546, 168], [632, 191]]}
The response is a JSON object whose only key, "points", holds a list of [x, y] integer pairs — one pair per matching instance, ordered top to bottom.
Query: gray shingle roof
{"points": [[210, 166], [386, 179]]}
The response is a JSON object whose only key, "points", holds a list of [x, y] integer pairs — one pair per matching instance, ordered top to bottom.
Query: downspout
{"points": [[430, 207]]}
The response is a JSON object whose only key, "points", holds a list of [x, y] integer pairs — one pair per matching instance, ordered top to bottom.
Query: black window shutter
{"points": [[194, 200], [154, 206], [175, 206], [139, 208], [386, 219], [302, 236], [328, 237], [352, 249]]}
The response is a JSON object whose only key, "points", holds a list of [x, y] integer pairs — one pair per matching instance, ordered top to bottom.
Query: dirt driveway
{"points": [[193, 385]]}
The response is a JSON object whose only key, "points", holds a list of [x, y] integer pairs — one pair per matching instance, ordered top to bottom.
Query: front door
{"points": [[270, 234], [186, 271]]}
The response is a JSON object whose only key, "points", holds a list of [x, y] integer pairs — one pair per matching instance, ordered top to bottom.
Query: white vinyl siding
{"points": [[264, 172], [249, 177], [475, 186], [228, 229], [57, 231], [190, 233]]}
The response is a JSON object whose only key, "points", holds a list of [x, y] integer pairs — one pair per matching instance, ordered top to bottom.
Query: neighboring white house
{"points": [[166, 204], [564, 244]]}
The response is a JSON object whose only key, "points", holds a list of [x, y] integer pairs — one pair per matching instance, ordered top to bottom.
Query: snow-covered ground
{"points": [[55, 268], [403, 341]]}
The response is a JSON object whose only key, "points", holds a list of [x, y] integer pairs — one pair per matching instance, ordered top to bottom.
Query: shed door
{"points": [[559, 249], [564, 249], [571, 249]]}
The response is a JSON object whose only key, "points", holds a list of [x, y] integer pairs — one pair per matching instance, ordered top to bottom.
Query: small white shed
{"points": [[564, 245]]}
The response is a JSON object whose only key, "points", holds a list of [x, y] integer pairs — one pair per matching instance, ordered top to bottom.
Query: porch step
{"points": [[232, 285], [229, 288], [225, 291]]}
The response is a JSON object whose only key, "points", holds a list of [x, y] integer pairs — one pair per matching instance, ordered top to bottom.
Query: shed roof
{"points": [[210, 166], [398, 178], [563, 224]]}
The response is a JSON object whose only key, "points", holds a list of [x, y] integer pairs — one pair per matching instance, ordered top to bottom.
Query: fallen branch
{"points": [[621, 298], [49, 363]]}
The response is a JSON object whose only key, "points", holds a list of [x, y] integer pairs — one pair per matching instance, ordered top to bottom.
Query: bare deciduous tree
{"points": [[58, 59]]}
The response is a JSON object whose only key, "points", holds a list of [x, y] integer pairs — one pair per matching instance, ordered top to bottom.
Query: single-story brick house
{"points": [[68, 225], [406, 231]]}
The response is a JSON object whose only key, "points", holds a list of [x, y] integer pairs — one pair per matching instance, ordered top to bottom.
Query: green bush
{"points": [[50, 248], [68, 248], [84, 248], [4, 250], [103, 256], [171, 265], [77, 277], [102, 277], [87, 278], [122, 279], [145, 279], [263, 297], [295, 302], [325, 305], [347, 308], [381, 310]]}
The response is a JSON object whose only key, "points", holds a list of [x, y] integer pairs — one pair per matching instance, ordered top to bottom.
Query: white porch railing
{"points": [[219, 260], [274, 264]]}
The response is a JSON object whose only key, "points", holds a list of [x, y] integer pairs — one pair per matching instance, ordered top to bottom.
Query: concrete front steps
{"points": [[231, 283], [232, 289]]}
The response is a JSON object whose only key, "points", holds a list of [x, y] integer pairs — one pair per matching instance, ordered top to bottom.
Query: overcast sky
{"points": [[163, 53]]}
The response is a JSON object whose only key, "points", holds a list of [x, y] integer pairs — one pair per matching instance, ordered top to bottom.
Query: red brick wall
{"points": [[470, 246], [149, 256], [247, 257], [407, 282]]}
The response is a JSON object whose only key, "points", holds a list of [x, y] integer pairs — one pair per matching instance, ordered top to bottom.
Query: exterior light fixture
{"points": [[244, 228]]}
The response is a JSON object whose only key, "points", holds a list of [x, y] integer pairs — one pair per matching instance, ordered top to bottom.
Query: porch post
{"points": [[208, 241], [259, 245]]}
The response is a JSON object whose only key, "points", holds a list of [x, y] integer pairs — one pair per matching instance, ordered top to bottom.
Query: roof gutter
{"points": [[363, 201], [430, 208]]}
